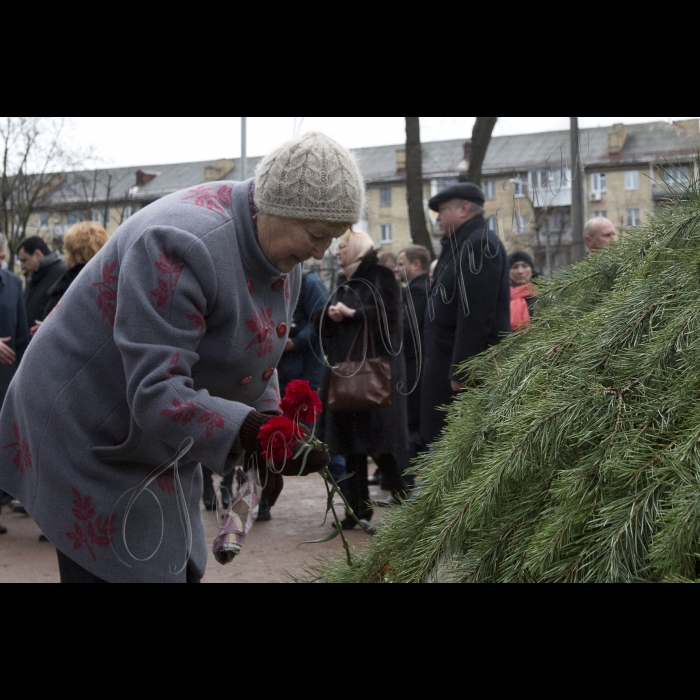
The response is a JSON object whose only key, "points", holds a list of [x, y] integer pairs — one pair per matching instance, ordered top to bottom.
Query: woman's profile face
{"points": [[288, 243], [520, 274]]}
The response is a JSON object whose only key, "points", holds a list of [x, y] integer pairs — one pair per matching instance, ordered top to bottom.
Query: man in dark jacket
{"points": [[414, 267], [42, 269], [469, 306], [14, 334]]}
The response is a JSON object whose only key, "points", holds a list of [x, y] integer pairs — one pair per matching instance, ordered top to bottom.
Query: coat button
{"points": [[250, 286], [277, 286], [282, 330], [268, 374], [245, 381]]}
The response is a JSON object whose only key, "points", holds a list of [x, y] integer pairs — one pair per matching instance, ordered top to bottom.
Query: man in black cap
{"points": [[469, 307]]}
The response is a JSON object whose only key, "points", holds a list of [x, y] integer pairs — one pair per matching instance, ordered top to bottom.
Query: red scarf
{"points": [[519, 312]]}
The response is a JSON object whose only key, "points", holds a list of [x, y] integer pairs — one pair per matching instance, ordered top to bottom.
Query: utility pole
{"points": [[244, 148], [578, 250]]}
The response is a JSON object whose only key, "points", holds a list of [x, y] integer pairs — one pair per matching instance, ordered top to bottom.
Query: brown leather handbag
{"points": [[357, 387]]}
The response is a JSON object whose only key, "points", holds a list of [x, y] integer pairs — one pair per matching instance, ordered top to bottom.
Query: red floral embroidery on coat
{"points": [[212, 199], [171, 268], [107, 300], [55, 309], [197, 320], [262, 326], [174, 367], [276, 401], [181, 413], [212, 421], [23, 456], [166, 484], [88, 531]]}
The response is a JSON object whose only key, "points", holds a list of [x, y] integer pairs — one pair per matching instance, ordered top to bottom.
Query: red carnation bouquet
{"points": [[278, 436]]}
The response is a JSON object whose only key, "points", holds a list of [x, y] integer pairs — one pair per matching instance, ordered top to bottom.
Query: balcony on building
{"points": [[672, 181], [550, 189]]}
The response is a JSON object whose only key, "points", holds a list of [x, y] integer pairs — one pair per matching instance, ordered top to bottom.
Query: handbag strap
{"points": [[366, 338]]}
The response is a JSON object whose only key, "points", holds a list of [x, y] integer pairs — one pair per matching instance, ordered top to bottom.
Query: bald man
{"points": [[599, 233]]}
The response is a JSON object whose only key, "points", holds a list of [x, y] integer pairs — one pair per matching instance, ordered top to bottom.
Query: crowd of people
{"points": [[175, 347]]}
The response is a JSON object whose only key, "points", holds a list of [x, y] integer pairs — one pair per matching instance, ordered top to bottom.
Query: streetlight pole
{"points": [[244, 148], [578, 251]]}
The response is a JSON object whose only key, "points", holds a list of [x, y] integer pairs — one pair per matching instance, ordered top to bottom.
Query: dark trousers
{"points": [[358, 489], [73, 573]]}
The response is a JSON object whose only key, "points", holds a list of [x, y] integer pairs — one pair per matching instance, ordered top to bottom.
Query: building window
{"points": [[676, 176], [632, 180], [447, 182], [599, 183], [490, 189], [385, 197], [128, 212], [603, 214], [74, 217], [101, 217], [633, 218], [43, 221], [493, 225], [522, 225], [387, 234]]}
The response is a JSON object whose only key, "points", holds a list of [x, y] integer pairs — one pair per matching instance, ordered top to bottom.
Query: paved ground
{"points": [[271, 548]]}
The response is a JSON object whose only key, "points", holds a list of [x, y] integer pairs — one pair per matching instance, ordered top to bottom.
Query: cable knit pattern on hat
{"points": [[312, 177]]}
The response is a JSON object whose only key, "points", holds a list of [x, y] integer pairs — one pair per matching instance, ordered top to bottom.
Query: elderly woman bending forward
{"points": [[161, 357]]}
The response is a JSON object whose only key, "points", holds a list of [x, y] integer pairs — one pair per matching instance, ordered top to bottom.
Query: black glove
{"points": [[316, 462]]}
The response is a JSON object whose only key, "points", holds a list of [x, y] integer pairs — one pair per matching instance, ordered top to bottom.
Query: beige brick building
{"points": [[527, 180]]}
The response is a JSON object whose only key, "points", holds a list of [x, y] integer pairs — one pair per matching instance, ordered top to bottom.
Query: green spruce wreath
{"points": [[576, 457]]}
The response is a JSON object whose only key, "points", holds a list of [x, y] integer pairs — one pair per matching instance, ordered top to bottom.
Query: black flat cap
{"points": [[465, 190]]}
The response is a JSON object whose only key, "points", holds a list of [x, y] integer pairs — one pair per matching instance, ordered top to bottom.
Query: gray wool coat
{"points": [[173, 332]]}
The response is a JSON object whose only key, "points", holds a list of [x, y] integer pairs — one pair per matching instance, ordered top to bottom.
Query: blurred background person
{"points": [[599, 233], [82, 243], [390, 262], [414, 266], [43, 269], [522, 293], [14, 336], [302, 355], [381, 432]]}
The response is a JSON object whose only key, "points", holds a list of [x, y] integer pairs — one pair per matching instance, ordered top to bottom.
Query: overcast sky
{"points": [[125, 141]]}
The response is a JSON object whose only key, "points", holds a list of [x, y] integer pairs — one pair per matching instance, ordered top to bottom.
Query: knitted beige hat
{"points": [[312, 178]]}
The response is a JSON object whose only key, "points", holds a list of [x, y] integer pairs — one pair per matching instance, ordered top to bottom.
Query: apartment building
{"points": [[629, 170]]}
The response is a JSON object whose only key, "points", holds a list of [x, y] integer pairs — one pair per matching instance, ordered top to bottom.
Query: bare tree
{"points": [[481, 139], [32, 154], [414, 185]]}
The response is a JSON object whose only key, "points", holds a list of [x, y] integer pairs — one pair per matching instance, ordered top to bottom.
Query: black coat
{"points": [[57, 291], [417, 291], [36, 294], [468, 312], [13, 324], [383, 430]]}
